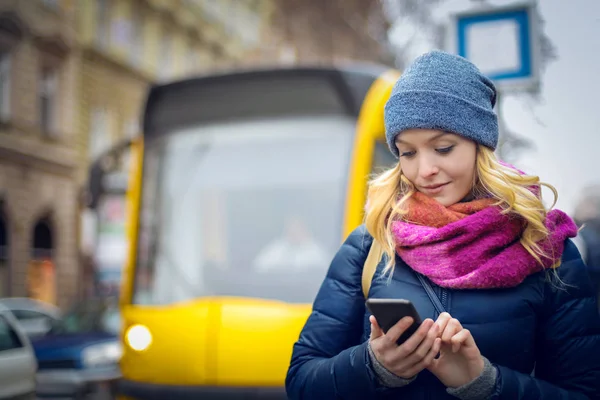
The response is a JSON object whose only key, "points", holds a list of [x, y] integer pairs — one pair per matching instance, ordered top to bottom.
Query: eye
{"points": [[445, 150], [407, 154]]}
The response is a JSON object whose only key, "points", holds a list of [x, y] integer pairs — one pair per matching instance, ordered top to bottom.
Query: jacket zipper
{"points": [[444, 298]]}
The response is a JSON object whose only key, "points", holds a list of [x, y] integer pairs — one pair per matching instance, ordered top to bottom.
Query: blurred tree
{"points": [[425, 22]]}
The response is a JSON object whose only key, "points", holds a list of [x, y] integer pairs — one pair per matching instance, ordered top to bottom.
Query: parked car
{"points": [[35, 317], [79, 356], [17, 360]]}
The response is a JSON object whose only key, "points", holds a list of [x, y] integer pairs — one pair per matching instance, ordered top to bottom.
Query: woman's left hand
{"points": [[460, 361]]}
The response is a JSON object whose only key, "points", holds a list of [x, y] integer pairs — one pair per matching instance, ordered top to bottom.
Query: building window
{"points": [[54, 4], [255, 5], [211, 9], [229, 16], [102, 22], [248, 28], [121, 35], [137, 42], [288, 54], [191, 58], [191, 61], [165, 65], [4, 86], [48, 98], [131, 128], [100, 138], [43, 239]]}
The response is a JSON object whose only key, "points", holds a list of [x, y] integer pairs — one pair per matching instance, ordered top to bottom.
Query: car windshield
{"points": [[246, 208], [90, 318]]}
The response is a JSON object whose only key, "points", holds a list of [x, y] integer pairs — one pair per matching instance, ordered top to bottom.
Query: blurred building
{"points": [[239, 26], [324, 32], [125, 45], [73, 80], [38, 195]]}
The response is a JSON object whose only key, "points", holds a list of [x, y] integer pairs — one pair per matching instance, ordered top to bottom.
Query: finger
{"points": [[443, 320], [398, 329], [452, 329], [376, 331], [463, 337], [416, 338], [424, 347], [428, 360], [434, 364]]}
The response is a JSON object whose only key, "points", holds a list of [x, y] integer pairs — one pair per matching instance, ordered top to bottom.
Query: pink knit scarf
{"points": [[473, 245]]}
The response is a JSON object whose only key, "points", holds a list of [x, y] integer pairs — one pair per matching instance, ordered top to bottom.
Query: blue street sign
{"points": [[501, 41]]}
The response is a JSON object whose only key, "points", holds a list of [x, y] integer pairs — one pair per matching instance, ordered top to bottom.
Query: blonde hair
{"points": [[515, 193]]}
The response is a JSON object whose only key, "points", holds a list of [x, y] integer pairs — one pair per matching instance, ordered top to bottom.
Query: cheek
{"points": [[462, 166], [409, 170], [462, 170]]}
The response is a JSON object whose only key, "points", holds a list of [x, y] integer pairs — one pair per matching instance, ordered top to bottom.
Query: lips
{"points": [[434, 189]]}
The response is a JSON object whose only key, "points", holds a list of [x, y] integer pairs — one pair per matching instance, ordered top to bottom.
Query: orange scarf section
{"points": [[423, 210]]}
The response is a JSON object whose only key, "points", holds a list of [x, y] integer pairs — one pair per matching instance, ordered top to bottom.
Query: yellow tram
{"points": [[243, 187]]}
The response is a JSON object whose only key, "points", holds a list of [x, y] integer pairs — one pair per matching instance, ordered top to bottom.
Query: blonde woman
{"points": [[507, 306]]}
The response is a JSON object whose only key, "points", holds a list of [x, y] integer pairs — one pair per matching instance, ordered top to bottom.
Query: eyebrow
{"points": [[398, 140]]}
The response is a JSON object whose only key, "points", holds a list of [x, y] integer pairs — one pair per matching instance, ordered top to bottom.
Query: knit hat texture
{"points": [[446, 92]]}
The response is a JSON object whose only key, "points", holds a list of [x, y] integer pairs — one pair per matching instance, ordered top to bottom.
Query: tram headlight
{"points": [[138, 337]]}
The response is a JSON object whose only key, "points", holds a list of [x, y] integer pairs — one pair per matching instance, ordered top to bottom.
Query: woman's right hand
{"points": [[412, 356]]}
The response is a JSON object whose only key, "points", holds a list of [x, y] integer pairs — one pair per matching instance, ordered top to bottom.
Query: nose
{"points": [[427, 167]]}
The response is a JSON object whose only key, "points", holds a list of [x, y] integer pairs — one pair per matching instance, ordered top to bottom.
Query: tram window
{"points": [[228, 194]]}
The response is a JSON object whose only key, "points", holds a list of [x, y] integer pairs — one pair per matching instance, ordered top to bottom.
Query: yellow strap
{"points": [[370, 266]]}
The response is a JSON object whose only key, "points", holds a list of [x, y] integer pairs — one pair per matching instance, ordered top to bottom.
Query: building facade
{"points": [[73, 81], [38, 195]]}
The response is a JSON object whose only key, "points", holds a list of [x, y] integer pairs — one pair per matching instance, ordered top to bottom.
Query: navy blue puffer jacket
{"points": [[536, 324]]}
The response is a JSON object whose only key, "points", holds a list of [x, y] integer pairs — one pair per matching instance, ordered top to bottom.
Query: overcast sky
{"points": [[568, 140]]}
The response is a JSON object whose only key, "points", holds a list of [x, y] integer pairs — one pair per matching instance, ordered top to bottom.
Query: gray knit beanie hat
{"points": [[443, 91]]}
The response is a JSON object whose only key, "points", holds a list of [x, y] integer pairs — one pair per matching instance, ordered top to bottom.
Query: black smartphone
{"points": [[389, 311]]}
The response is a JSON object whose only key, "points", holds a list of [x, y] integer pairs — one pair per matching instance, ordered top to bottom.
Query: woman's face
{"points": [[440, 165]]}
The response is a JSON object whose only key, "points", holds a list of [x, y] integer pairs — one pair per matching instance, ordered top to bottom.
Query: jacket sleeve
{"points": [[568, 340], [328, 360]]}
